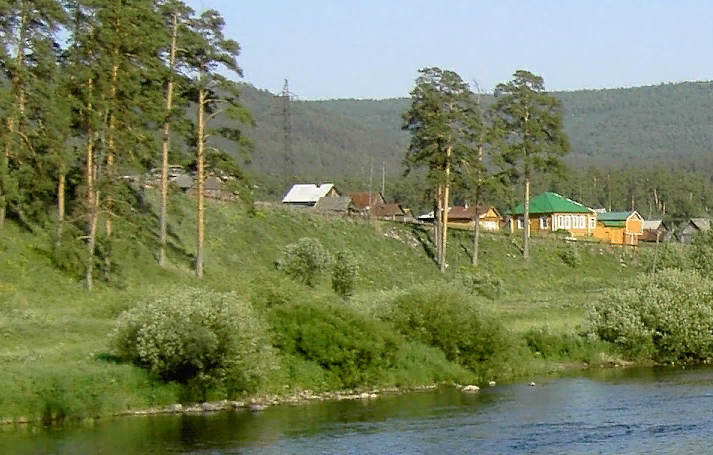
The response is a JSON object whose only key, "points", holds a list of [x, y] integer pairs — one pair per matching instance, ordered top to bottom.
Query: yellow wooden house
{"points": [[619, 228]]}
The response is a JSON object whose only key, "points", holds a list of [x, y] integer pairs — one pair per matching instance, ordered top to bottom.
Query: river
{"points": [[614, 411]]}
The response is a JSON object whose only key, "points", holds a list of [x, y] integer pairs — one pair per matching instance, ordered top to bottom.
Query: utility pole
{"points": [[383, 177], [371, 178]]}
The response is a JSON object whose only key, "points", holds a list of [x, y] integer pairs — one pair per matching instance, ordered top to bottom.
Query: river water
{"points": [[615, 411]]}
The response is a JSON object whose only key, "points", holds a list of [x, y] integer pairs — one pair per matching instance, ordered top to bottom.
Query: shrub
{"points": [[701, 253], [570, 256], [668, 256], [305, 260], [344, 274], [480, 282], [666, 316], [447, 319], [196, 337], [570, 346], [353, 348]]}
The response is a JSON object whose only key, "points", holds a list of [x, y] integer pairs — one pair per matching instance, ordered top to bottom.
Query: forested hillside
{"points": [[643, 126]]}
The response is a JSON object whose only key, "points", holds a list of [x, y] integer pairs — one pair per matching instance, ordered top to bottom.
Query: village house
{"points": [[213, 188], [307, 194], [362, 200], [550, 212], [465, 216], [694, 226], [619, 228]]}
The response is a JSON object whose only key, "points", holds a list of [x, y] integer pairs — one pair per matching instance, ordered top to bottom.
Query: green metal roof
{"points": [[551, 203], [614, 216], [616, 223]]}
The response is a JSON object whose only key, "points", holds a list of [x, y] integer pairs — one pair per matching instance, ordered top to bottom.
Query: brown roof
{"points": [[361, 200], [383, 210], [458, 212]]}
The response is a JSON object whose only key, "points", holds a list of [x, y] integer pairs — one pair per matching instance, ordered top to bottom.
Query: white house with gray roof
{"points": [[307, 194]]}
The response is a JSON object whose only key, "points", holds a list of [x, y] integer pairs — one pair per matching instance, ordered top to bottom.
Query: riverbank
{"points": [[57, 361]]}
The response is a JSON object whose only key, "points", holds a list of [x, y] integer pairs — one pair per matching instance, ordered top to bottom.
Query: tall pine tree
{"points": [[205, 53], [530, 134]]}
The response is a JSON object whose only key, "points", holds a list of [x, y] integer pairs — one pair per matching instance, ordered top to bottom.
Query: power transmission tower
{"points": [[288, 156]]}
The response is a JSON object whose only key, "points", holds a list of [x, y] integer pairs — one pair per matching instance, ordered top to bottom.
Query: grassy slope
{"points": [[53, 333]]}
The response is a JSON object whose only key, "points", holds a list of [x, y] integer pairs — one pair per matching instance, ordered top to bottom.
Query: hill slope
{"points": [[664, 124]]}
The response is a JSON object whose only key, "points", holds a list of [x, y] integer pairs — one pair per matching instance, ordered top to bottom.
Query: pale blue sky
{"points": [[373, 49]]}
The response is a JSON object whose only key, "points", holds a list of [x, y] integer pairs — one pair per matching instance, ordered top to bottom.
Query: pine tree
{"points": [[176, 15], [23, 23], [205, 52], [441, 106], [530, 133]]}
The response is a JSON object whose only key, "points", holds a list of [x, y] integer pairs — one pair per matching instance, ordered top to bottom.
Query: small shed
{"points": [[213, 188], [337, 205], [393, 212], [465, 216], [694, 226], [619, 228], [655, 229]]}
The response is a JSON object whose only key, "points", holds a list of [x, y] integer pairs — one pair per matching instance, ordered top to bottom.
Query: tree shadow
{"points": [[421, 235]]}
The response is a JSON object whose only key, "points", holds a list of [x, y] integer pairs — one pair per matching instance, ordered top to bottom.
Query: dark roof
{"points": [[361, 200], [546, 203], [334, 204], [383, 210], [459, 212]]}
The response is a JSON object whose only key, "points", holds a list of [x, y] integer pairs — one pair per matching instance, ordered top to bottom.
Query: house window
{"points": [[560, 222], [568, 222], [544, 223], [592, 223], [520, 224]]}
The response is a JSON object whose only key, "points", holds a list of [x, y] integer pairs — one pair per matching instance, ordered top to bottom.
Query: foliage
{"points": [[700, 253], [667, 255], [570, 256], [305, 260], [344, 274], [480, 282], [667, 315], [449, 320], [201, 338], [571, 345], [353, 348]]}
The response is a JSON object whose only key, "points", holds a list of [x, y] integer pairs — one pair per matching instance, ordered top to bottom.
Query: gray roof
{"points": [[184, 181], [213, 184], [307, 192], [335, 204], [652, 224], [702, 224]]}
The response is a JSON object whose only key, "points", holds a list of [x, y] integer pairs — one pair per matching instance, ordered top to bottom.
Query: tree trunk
{"points": [[166, 147], [110, 160], [5, 168], [199, 188], [446, 189], [478, 189], [92, 199], [60, 207], [438, 219], [526, 221]]}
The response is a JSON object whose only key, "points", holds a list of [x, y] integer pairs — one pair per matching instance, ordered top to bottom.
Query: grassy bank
{"points": [[54, 347]]}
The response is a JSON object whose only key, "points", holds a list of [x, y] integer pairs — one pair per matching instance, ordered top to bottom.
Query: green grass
{"points": [[53, 333]]}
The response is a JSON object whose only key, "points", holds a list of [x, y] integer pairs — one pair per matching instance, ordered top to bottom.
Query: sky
{"points": [[373, 49]]}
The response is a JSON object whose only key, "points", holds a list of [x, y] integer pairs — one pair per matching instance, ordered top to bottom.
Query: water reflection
{"points": [[663, 410]]}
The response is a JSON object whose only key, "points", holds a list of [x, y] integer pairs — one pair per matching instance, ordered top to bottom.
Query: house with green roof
{"points": [[551, 212], [619, 228]]}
